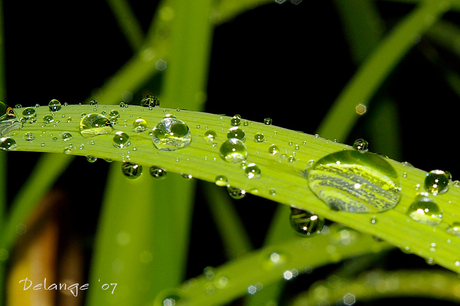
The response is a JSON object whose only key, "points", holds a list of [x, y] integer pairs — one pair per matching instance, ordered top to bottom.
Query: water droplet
{"points": [[150, 101], [93, 102], [54, 105], [29, 115], [113, 116], [8, 119], [48, 119], [236, 120], [268, 121], [94, 124], [140, 125], [237, 133], [171, 134], [210, 135], [29, 136], [66, 136], [259, 137], [121, 140], [7, 144], [361, 145], [273, 149], [233, 151], [91, 158], [131, 170], [252, 171], [157, 172], [187, 176], [221, 181], [437, 181], [355, 182], [236, 193], [425, 210], [305, 223], [454, 229]]}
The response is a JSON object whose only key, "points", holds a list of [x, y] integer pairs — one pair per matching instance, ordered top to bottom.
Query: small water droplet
{"points": [[150, 101], [93, 102], [54, 105], [29, 115], [113, 116], [48, 119], [236, 120], [268, 121], [94, 124], [140, 125], [237, 133], [171, 134], [210, 135], [29, 136], [66, 136], [259, 137], [121, 140], [7, 144], [361, 145], [273, 149], [233, 151], [91, 158], [131, 170], [252, 171], [157, 172], [187, 176], [221, 181], [437, 181], [355, 182], [236, 193], [425, 210], [305, 223], [454, 229]]}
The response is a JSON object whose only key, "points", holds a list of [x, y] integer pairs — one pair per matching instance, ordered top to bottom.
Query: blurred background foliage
{"points": [[288, 61]]}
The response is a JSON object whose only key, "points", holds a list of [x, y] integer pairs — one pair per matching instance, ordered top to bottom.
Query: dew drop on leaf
{"points": [[150, 101], [54, 105], [29, 115], [113, 116], [268, 121], [94, 124], [140, 125], [236, 132], [171, 134], [210, 135], [29, 136], [66, 136], [259, 137], [121, 140], [7, 144], [361, 145], [273, 149], [233, 151], [91, 159], [131, 170], [252, 171], [157, 172], [221, 181], [437, 181], [355, 182], [236, 193], [425, 210], [305, 223], [454, 229]]}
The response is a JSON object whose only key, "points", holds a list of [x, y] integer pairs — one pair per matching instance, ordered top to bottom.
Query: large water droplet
{"points": [[54, 105], [8, 119], [94, 124], [171, 134], [121, 140], [7, 144], [233, 151], [131, 170], [437, 181], [355, 182], [425, 210], [305, 223]]}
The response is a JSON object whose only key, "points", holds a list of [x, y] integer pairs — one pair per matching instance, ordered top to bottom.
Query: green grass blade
{"points": [[127, 22], [379, 64], [231, 229], [257, 269]]}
